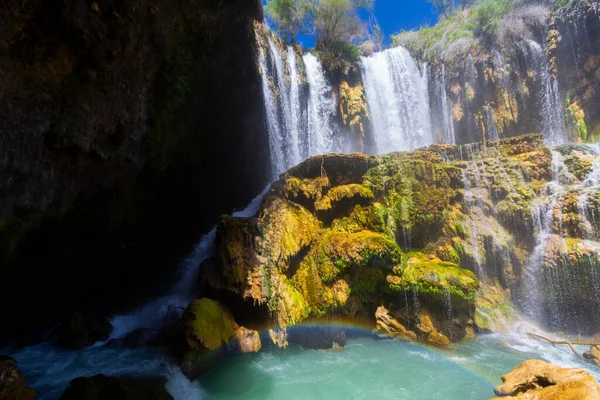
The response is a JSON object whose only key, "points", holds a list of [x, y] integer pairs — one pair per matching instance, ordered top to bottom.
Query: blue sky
{"points": [[396, 15]]}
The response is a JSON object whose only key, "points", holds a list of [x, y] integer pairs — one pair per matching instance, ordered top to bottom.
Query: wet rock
{"points": [[81, 330], [422, 330], [245, 341], [593, 355], [538, 380], [12, 383], [101, 387]]}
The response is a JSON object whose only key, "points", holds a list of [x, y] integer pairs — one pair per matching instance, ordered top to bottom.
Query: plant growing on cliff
{"points": [[291, 17]]}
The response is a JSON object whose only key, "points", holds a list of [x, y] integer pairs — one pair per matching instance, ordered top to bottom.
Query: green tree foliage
{"points": [[291, 17]]}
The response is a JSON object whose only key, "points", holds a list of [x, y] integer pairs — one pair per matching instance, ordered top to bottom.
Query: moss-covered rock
{"points": [[286, 229], [337, 251], [435, 278], [206, 326]]}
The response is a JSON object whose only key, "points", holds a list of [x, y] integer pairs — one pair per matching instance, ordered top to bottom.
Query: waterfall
{"points": [[549, 99], [398, 102], [321, 109], [272, 115], [296, 119], [299, 126]]}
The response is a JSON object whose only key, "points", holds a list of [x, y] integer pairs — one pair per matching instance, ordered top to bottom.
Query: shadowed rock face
{"points": [[118, 147], [539, 380], [12, 383]]}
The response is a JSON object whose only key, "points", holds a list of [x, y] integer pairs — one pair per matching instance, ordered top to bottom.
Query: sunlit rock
{"points": [[538, 380]]}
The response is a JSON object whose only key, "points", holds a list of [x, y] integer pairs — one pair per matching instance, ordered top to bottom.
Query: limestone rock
{"points": [[82, 330], [423, 330], [245, 341], [593, 355], [538, 380], [12, 383], [101, 387]]}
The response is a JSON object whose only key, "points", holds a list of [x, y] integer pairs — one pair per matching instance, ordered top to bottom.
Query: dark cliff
{"points": [[126, 128]]}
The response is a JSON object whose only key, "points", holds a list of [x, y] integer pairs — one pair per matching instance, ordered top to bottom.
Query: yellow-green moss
{"points": [[310, 189], [341, 193], [372, 218], [337, 251], [436, 277]]}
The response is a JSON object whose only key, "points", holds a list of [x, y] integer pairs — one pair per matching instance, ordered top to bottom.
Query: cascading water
{"points": [[396, 93], [550, 102], [321, 110], [442, 122], [542, 214]]}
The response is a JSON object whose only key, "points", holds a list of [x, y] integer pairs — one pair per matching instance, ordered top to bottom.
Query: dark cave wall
{"points": [[126, 128]]}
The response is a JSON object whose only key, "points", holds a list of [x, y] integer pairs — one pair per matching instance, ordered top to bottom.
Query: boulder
{"points": [[206, 327], [82, 330], [245, 341], [593, 355], [538, 380], [12, 383], [101, 387]]}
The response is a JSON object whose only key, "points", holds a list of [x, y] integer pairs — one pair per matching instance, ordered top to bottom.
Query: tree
{"points": [[290, 17], [337, 22]]}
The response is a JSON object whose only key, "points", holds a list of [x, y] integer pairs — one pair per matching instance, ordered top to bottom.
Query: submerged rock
{"points": [[81, 330], [593, 355], [538, 380], [12, 383], [101, 387]]}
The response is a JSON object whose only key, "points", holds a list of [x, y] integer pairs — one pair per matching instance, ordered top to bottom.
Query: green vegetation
{"points": [[289, 16], [335, 24], [461, 29]]}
